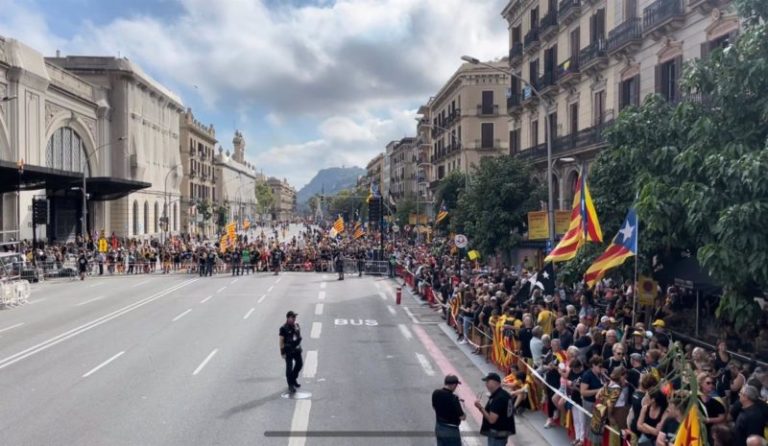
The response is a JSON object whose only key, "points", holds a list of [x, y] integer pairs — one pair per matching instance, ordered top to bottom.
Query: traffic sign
{"points": [[461, 241]]}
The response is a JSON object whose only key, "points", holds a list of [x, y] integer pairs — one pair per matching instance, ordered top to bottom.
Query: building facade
{"points": [[589, 59], [402, 164], [374, 171], [198, 184], [235, 184], [284, 194]]}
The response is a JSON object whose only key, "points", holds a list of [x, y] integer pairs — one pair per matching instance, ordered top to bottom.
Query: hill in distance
{"points": [[332, 179]]}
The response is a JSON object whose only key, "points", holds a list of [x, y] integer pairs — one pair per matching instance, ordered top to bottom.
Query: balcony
{"points": [[705, 6], [568, 11], [663, 17], [548, 25], [626, 37], [531, 40], [516, 53], [594, 56], [568, 73], [547, 83], [526, 93], [514, 104], [489, 110], [586, 140], [496, 145]]}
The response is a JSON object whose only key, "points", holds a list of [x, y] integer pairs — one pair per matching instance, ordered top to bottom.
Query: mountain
{"points": [[333, 180]]}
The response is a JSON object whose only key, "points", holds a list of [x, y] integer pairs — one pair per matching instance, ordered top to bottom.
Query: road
{"points": [[182, 360]]}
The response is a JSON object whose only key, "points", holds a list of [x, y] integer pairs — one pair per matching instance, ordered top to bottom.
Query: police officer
{"points": [[339, 261], [360, 262], [290, 349], [448, 412], [498, 413]]}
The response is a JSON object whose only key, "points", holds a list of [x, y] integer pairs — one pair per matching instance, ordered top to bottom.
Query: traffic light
{"points": [[40, 212]]}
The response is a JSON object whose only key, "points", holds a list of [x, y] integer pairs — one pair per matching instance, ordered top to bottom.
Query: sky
{"points": [[310, 83]]}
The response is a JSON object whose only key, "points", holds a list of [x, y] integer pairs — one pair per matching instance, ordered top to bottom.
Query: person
{"points": [[277, 258], [245, 261], [210, 262], [339, 262], [360, 262], [82, 265], [290, 350], [654, 405], [715, 411], [448, 412], [498, 414], [751, 419], [670, 421], [756, 440]]}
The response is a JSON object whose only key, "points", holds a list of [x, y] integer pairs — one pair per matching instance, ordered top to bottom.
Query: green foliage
{"points": [[264, 198], [348, 201], [405, 207], [205, 209], [222, 213]]}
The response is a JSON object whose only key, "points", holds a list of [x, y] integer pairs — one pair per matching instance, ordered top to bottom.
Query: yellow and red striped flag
{"points": [[443, 214], [584, 226], [359, 231], [623, 246], [689, 432]]}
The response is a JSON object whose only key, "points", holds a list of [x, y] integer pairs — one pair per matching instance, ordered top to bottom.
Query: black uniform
{"points": [[360, 263], [340, 265], [291, 335], [501, 404]]}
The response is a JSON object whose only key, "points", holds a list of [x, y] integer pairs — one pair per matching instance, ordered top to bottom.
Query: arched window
{"points": [[66, 151], [157, 216], [135, 217], [146, 217]]}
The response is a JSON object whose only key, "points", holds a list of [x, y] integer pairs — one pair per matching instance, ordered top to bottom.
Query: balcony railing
{"points": [[569, 10], [661, 13], [548, 24], [628, 33], [531, 39], [516, 52], [593, 54], [568, 71], [547, 80], [526, 93], [513, 103], [487, 110], [585, 139], [495, 145]]}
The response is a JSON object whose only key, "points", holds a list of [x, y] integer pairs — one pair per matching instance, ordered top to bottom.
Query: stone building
{"points": [[198, 184], [235, 185], [284, 208]]}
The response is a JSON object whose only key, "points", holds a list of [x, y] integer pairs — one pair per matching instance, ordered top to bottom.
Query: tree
{"points": [[448, 192], [265, 200], [347, 202], [405, 207], [205, 209], [493, 210]]}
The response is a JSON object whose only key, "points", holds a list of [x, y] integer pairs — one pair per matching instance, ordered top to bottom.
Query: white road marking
{"points": [[325, 276], [278, 280], [233, 282], [141, 283], [95, 284], [323, 284], [376, 284], [221, 289], [269, 290], [321, 295], [382, 295], [206, 299], [261, 299], [89, 301], [32, 302], [319, 309], [392, 310], [248, 314], [181, 315], [410, 315], [12, 327], [317, 327], [405, 331], [37, 348], [205, 361], [310, 364], [425, 364], [96, 369], [300, 422]]}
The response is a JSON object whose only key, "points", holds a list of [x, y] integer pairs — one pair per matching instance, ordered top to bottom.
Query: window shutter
{"points": [[600, 23], [704, 50], [678, 76], [658, 81], [636, 92]]}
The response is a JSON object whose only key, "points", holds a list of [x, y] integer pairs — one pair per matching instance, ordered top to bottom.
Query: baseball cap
{"points": [[291, 314], [659, 323], [492, 377], [451, 379]]}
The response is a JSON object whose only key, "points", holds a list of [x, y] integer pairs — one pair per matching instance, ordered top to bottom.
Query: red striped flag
{"points": [[584, 226]]}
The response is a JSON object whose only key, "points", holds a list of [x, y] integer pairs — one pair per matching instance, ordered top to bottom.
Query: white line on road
{"points": [[325, 276], [278, 280], [233, 282], [141, 283], [323, 284], [376, 284], [94, 285], [221, 289], [269, 290], [321, 295], [382, 295], [206, 299], [261, 299], [89, 301], [32, 302], [319, 309], [391, 310], [248, 314], [181, 315], [410, 315], [12, 327], [317, 327], [405, 331], [37, 348], [205, 361], [425, 364], [310, 365], [96, 369], [300, 422]]}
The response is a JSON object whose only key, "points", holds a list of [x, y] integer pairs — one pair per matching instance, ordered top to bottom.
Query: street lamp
{"points": [[544, 103], [84, 190], [167, 201]]}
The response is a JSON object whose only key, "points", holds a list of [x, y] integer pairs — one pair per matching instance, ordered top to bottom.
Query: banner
{"points": [[423, 220], [562, 221], [538, 224], [103, 245], [646, 293]]}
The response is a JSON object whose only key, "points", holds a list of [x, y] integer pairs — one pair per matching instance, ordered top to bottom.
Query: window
{"points": [[630, 9], [535, 18], [597, 26], [516, 32], [721, 42], [575, 43], [550, 62], [533, 71], [667, 76], [629, 94], [488, 102], [598, 107], [573, 122], [553, 126], [534, 133], [486, 135], [514, 141], [66, 151]]}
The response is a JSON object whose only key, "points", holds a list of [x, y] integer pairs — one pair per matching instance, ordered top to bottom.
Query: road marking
{"points": [[325, 276], [278, 280], [233, 282], [141, 283], [95, 284], [323, 284], [376, 284], [221, 289], [269, 290], [321, 295], [382, 295], [206, 299], [261, 299], [90, 300], [32, 302], [319, 309], [392, 310], [248, 314], [181, 315], [410, 315], [12, 327], [317, 327], [405, 331], [9, 360], [205, 361], [425, 364], [310, 365], [96, 369], [300, 422]]}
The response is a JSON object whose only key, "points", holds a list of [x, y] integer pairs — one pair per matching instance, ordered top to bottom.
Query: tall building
{"points": [[589, 60], [465, 121], [402, 164], [374, 171], [235, 184], [198, 185], [284, 195]]}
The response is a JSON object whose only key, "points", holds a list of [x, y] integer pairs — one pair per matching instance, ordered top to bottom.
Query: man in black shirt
{"points": [[290, 349], [448, 412], [498, 413], [751, 419]]}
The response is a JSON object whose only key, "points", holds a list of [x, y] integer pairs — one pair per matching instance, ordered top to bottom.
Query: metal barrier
{"points": [[376, 267], [14, 293]]}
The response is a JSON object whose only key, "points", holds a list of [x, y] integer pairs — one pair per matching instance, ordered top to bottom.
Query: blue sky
{"points": [[310, 83]]}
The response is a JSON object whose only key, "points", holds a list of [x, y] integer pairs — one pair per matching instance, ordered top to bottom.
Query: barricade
{"points": [[377, 267]]}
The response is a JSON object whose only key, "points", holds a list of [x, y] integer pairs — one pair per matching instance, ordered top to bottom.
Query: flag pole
{"points": [[636, 291]]}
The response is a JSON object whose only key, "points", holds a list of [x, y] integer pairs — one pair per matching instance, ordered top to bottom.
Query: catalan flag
{"points": [[442, 214], [338, 225], [584, 226], [359, 231], [232, 232], [223, 244], [623, 246], [689, 433]]}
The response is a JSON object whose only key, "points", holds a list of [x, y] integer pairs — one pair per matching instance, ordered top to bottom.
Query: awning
{"points": [[108, 188]]}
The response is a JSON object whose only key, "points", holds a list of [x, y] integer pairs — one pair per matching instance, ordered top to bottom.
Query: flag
{"points": [[373, 192], [442, 214], [339, 225], [583, 227], [359, 231], [231, 232], [223, 244], [623, 246], [473, 255], [545, 280], [689, 433]]}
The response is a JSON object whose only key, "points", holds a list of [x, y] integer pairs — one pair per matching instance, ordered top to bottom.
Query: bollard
{"points": [[399, 295]]}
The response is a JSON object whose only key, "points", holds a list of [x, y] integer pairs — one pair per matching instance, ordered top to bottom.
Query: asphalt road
{"points": [[182, 360]]}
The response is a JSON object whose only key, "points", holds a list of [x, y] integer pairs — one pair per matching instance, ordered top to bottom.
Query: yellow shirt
{"points": [[547, 321]]}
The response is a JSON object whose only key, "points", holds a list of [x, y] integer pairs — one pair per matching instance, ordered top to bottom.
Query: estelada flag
{"points": [[443, 214], [584, 226], [623, 246], [689, 432]]}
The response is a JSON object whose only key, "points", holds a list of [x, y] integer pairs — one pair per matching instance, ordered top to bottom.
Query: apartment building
{"points": [[588, 60], [464, 122], [402, 162], [374, 171], [198, 185], [285, 199]]}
